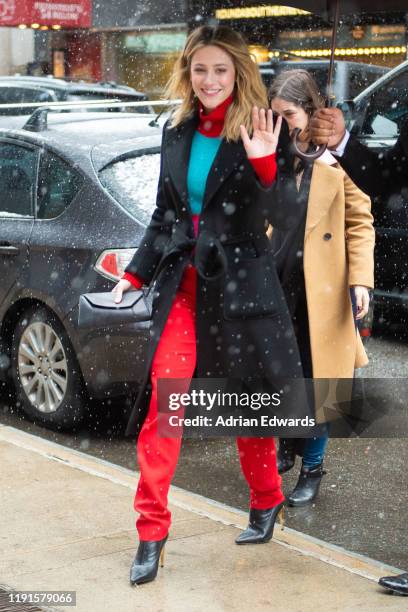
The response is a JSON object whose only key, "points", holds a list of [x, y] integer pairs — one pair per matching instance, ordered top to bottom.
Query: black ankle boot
{"points": [[286, 454], [307, 486], [261, 524], [146, 563]]}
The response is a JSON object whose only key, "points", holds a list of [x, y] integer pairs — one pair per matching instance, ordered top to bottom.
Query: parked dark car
{"points": [[350, 78], [26, 89], [375, 118], [75, 197]]}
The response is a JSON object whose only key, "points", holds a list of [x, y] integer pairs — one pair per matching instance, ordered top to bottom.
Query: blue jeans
{"points": [[314, 449]]}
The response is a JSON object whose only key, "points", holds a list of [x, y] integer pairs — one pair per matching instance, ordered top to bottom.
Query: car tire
{"points": [[45, 371]]}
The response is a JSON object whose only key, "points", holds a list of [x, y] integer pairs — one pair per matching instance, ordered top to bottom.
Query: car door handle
{"points": [[8, 249]]}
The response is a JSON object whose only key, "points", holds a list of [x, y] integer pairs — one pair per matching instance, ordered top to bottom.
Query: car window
{"points": [[359, 77], [349, 78], [17, 95], [387, 109], [18, 167], [58, 183], [133, 183]]}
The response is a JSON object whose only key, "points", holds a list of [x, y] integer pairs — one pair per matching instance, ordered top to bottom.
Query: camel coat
{"points": [[338, 253]]}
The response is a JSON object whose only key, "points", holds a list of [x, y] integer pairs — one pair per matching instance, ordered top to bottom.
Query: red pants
{"points": [[175, 357]]}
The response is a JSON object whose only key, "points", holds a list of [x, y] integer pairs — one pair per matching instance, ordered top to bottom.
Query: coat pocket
{"points": [[252, 289]]}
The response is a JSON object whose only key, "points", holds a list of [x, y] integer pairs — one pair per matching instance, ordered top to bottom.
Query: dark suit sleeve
{"points": [[377, 173], [149, 252]]}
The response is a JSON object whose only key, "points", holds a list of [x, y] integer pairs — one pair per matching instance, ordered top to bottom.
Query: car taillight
{"points": [[112, 262]]}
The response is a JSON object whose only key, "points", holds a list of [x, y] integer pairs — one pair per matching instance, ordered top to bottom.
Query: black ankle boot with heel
{"points": [[307, 486], [261, 524], [146, 563]]}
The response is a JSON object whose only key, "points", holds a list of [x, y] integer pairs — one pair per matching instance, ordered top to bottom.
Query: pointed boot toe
{"points": [[261, 525], [146, 562], [396, 584]]}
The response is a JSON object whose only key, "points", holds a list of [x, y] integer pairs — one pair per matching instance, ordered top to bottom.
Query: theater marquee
{"points": [[258, 12]]}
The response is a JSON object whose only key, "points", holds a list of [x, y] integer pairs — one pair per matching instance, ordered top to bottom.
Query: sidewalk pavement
{"points": [[67, 523]]}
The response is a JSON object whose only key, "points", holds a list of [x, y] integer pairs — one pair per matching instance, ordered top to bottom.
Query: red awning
{"points": [[65, 13]]}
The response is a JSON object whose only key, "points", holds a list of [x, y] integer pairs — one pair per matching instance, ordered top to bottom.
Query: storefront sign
{"points": [[64, 13], [156, 42]]}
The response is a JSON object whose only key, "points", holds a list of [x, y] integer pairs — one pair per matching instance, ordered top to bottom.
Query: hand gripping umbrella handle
{"points": [[306, 156]]}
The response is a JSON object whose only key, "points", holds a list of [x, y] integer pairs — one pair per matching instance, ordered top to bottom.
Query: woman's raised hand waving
{"points": [[265, 135]]}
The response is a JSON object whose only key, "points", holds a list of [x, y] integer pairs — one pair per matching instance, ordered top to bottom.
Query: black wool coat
{"points": [[243, 327]]}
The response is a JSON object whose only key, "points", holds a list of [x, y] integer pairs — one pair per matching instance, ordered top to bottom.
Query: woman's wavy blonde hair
{"points": [[249, 89]]}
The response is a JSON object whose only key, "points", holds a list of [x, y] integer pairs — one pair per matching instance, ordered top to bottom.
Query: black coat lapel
{"points": [[178, 147], [229, 157]]}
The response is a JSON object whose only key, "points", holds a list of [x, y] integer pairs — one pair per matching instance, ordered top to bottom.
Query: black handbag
{"points": [[98, 310]]}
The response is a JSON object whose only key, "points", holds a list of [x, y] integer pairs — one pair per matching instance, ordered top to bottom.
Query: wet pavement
{"points": [[363, 503], [85, 555]]}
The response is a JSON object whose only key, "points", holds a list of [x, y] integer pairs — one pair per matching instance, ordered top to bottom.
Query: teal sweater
{"points": [[203, 152]]}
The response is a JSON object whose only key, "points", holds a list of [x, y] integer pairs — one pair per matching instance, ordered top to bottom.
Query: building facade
{"points": [[378, 38], [127, 41], [131, 42], [136, 42]]}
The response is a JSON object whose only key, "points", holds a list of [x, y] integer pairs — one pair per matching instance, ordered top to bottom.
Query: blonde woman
{"points": [[207, 239], [325, 262]]}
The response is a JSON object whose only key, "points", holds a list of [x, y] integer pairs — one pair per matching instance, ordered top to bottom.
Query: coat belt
{"points": [[206, 252]]}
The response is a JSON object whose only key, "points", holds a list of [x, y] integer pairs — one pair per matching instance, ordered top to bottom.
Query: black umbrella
{"points": [[331, 10]]}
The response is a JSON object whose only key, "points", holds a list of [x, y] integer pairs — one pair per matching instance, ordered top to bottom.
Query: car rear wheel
{"points": [[45, 370]]}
